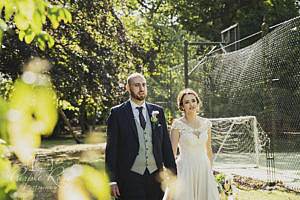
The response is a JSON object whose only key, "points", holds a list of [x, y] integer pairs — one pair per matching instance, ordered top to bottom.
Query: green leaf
{"points": [[268, 3], [1, 5], [41, 5], [26, 8], [9, 9], [52, 14], [61, 15], [65, 15], [68, 16], [43, 19], [21, 21], [53, 21], [36, 24], [3, 25], [21, 35], [44, 35], [29, 36], [1, 37], [50, 42], [41, 44], [40, 99], [66, 105], [45, 108], [3, 120], [7, 180], [96, 182], [88, 183]]}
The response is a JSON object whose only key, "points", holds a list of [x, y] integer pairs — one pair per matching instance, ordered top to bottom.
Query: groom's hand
{"points": [[114, 190]]}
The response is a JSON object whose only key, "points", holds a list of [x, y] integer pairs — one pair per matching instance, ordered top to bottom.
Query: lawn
{"points": [[242, 194], [267, 195]]}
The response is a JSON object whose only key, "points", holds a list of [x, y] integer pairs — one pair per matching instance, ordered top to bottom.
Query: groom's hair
{"points": [[132, 76]]}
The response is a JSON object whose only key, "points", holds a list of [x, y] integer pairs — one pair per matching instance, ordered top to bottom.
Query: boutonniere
{"points": [[154, 114]]}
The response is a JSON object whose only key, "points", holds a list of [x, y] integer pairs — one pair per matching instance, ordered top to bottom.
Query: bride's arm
{"points": [[174, 140], [208, 147]]}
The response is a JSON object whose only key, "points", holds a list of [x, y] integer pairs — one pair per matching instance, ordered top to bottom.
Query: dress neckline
{"points": [[200, 122], [192, 128]]}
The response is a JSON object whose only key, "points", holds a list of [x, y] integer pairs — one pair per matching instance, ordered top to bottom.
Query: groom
{"points": [[138, 145]]}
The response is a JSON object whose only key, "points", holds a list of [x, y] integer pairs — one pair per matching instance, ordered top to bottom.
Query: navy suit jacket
{"points": [[123, 145]]}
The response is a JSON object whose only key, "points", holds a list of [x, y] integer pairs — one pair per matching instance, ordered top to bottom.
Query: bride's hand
{"points": [[167, 195]]}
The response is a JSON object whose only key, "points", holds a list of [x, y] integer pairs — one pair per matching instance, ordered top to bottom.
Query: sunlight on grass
{"points": [[52, 142], [266, 195]]}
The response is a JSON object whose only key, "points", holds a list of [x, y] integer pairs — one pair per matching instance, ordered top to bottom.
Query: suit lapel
{"points": [[150, 109], [131, 120]]}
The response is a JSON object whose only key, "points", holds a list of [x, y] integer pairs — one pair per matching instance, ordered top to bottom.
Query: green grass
{"points": [[48, 143], [242, 194], [267, 195]]}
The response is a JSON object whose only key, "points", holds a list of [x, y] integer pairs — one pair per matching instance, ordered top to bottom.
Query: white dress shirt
{"points": [[136, 111]]}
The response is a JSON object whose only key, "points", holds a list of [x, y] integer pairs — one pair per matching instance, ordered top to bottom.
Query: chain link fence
{"points": [[261, 80]]}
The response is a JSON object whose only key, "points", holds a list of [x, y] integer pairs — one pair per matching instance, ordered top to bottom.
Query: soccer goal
{"points": [[238, 142]]}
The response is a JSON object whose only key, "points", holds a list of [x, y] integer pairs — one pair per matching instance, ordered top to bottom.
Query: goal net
{"points": [[238, 142]]}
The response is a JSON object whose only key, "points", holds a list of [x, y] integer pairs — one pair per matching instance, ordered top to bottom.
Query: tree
{"points": [[209, 18], [110, 39]]}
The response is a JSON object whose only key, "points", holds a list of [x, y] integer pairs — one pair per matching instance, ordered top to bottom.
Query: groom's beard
{"points": [[137, 97]]}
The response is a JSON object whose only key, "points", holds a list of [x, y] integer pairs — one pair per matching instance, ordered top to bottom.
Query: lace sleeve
{"points": [[176, 124], [209, 124]]}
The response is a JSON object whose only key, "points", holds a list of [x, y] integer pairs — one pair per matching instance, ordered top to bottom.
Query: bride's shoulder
{"points": [[205, 121], [177, 123]]}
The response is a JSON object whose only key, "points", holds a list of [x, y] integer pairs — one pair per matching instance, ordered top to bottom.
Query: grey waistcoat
{"points": [[145, 158]]}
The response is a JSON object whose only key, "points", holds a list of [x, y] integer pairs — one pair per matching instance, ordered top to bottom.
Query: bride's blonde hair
{"points": [[184, 92]]}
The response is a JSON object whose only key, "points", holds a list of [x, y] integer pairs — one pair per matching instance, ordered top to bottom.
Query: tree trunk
{"points": [[68, 124]]}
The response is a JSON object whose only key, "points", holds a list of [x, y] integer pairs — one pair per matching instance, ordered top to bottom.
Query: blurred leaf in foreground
{"points": [[32, 110], [3, 120], [8, 175], [85, 183]]}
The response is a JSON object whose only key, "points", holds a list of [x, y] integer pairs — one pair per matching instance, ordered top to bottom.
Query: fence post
{"points": [[269, 104], [256, 140]]}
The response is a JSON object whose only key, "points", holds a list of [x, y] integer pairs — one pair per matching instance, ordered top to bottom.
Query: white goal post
{"points": [[238, 139]]}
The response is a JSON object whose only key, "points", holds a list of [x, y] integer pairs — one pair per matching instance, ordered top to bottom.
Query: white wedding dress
{"points": [[195, 179]]}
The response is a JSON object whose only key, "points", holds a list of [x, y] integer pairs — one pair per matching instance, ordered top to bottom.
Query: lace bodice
{"points": [[192, 139], [195, 180]]}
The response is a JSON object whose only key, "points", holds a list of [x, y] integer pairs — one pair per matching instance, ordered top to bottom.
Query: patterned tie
{"points": [[141, 117]]}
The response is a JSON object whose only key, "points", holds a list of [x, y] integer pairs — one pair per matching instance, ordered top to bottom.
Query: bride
{"points": [[195, 180]]}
